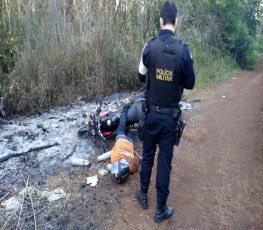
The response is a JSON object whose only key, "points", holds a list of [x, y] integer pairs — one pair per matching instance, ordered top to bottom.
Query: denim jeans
{"points": [[122, 130]]}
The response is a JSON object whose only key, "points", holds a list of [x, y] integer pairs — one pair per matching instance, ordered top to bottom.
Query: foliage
{"points": [[238, 25], [259, 44], [214, 68]]}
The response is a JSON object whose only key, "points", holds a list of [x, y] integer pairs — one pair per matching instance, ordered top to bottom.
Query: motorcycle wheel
{"points": [[84, 131]]}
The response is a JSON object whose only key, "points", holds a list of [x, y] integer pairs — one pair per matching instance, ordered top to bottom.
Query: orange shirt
{"points": [[124, 149]]}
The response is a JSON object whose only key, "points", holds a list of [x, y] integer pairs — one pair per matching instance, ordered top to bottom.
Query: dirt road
{"points": [[217, 177]]}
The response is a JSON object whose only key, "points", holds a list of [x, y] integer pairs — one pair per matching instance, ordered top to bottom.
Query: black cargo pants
{"points": [[159, 129]]}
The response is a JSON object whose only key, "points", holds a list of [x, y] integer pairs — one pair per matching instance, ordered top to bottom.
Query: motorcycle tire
{"points": [[84, 131]]}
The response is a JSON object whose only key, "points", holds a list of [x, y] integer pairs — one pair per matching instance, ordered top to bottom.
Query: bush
{"points": [[259, 44], [250, 59], [58, 63], [212, 67]]}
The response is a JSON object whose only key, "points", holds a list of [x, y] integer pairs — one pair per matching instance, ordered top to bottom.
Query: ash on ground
{"points": [[56, 126]]}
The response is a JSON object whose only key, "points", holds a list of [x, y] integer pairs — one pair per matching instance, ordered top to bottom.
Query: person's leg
{"points": [[122, 122], [151, 131], [128, 133], [149, 148], [147, 162], [164, 168]]}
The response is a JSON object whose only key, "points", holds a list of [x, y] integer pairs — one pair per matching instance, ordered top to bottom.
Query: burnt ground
{"points": [[216, 181]]}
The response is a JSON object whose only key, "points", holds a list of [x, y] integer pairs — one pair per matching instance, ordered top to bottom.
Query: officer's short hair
{"points": [[168, 13]]}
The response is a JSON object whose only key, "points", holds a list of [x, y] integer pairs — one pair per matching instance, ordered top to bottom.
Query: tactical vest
{"points": [[164, 85]]}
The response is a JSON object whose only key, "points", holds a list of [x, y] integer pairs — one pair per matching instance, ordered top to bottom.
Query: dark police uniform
{"points": [[168, 65]]}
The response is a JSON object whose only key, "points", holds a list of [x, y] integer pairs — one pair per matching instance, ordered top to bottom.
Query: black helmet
{"points": [[120, 171]]}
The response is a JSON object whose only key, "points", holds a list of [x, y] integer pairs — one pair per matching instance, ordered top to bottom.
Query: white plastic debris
{"points": [[223, 96], [185, 105], [104, 156], [79, 162], [109, 166], [102, 172], [92, 180], [31, 190], [54, 195], [51, 196], [12, 204]]}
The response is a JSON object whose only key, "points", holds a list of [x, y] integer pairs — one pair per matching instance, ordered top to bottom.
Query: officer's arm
{"points": [[143, 66], [188, 69]]}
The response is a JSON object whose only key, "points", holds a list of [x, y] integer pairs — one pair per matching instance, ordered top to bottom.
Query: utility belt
{"points": [[174, 111]]}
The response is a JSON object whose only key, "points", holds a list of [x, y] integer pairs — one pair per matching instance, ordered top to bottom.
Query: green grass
{"points": [[213, 67]]}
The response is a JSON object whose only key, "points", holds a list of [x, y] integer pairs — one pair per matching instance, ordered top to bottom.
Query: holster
{"points": [[145, 107], [176, 113], [141, 122], [179, 128]]}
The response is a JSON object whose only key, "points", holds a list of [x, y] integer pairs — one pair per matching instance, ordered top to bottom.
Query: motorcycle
{"points": [[102, 125]]}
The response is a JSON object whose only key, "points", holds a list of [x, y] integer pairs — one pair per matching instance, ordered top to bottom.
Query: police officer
{"points": [[166, 67]]}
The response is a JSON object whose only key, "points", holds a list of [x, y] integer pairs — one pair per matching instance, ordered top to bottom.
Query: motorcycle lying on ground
{"points": [[102, 125]]}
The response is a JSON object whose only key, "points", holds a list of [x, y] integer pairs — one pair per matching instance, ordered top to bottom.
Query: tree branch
{"points": [[5, 158]]}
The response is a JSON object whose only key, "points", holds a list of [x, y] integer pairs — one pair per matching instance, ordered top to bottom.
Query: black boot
{"points": [[142, 198], [163, 212]]}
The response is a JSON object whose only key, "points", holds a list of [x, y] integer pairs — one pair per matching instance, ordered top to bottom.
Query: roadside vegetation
{"points": [[259, 44], [54, 51]]}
